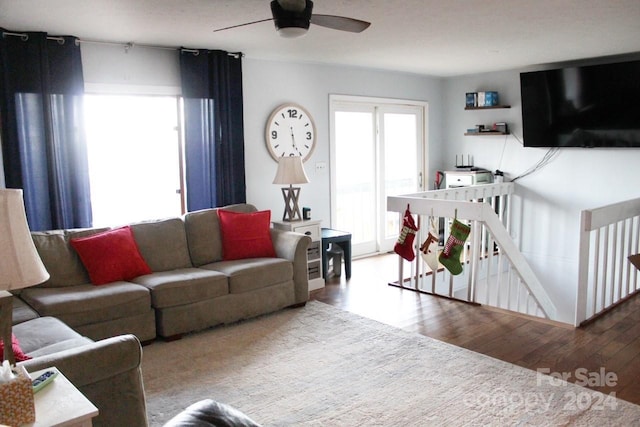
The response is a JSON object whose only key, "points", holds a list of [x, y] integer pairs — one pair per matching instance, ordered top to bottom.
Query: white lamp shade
{"points": [[290, 171], [20, 264]]}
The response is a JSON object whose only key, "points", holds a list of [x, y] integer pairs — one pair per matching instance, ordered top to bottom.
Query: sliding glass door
{"points": [[377, 150]]}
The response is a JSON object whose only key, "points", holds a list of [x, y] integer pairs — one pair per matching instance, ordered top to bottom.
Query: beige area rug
{"points": [[320, 366]]}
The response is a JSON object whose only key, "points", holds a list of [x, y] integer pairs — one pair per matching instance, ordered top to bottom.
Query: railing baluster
{"points": [[623, 236], [635, 251], [628, 252], [614, 256], [418, 259], [488, 263], [596, 265], [603, 276], [509, 286]]}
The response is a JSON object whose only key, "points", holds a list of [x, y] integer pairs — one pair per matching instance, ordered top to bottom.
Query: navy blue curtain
{"points": [[41, 117], [214, 130]]}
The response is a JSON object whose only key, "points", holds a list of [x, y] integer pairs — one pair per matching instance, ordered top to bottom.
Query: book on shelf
{"points": [[481, 99]]}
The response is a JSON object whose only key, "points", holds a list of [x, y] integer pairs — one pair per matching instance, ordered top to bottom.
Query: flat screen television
{"points": [[588, 106]]}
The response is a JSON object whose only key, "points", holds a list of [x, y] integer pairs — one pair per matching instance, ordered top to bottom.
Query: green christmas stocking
{"points": [[450, 256]]}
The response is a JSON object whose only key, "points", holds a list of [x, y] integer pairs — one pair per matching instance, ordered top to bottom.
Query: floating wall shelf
{"points": [[493, 107], [486, 133]]}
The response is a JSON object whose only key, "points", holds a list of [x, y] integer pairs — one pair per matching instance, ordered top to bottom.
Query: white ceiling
{"points": [[435, 37]]}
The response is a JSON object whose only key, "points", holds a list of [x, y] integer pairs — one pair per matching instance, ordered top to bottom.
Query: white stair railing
{"points": [[608, 236], [495, 273]]}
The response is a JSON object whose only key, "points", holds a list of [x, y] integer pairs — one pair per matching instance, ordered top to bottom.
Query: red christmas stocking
{"points": [[404, 245]]}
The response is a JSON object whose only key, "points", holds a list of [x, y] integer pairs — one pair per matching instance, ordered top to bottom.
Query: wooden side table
{"points": [[342, 239], [61, 404]]}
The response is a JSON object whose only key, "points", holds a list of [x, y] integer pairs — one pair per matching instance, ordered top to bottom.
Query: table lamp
{"points": [[290, 171], [20, 264]]}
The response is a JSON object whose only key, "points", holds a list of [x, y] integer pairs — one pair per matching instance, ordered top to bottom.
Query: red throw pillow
{"points": [[246, 235], [111, 255], [17, 351]]}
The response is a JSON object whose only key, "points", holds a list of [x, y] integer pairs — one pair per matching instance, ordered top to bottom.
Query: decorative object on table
{"points": [[500, 127], [290, 131], [461, 163], [290, 171], [437, 183], [306, 213], [404, 245], [429, 248], [450, 256], [20, 264], [43, 380], [17, 405]]}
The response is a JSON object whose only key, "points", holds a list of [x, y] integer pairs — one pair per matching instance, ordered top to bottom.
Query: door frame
{"points": [[335, 99]]}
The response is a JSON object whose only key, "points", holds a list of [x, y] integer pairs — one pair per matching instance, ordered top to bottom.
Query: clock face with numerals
{"points": [[290, 131]]}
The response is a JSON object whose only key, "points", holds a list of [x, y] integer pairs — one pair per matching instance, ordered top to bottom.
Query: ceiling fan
{"points": [[292, 19]]}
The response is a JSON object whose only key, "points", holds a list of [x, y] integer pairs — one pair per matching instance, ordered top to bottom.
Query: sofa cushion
{"points": [[203, 233], [245, 235], [163, 244], [110, 256], [59, 258], [255, 273], [183, 286], [87, 304], [22, 311], [47, 335]]}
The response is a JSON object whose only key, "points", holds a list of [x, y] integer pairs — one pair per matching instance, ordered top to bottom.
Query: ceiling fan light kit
{"points": [[291, 23]]}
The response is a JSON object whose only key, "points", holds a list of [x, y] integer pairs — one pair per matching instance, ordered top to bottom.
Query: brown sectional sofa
{"points": [[93, 333]]}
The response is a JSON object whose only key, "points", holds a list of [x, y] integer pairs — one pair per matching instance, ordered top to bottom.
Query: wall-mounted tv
{"points": [[588, 106]]}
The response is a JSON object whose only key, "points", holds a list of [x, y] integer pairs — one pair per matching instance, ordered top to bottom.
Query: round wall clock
{"points": [[290, 131]]}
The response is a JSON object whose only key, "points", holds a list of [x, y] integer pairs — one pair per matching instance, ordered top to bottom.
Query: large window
{"points": [[134, 158]]}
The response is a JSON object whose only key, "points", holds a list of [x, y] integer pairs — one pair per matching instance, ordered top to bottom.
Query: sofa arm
{"points": [[293, 246], [108, 373]]}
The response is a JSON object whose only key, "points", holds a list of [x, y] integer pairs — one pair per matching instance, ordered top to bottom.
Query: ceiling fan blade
{"points": [[340, 23], [243, 25]]}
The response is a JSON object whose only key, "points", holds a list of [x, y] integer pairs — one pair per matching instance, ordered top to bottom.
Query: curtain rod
{"points": [[127, 46]]}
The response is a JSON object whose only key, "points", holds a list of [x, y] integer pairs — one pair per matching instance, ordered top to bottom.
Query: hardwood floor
{"points": [[608, 348]]}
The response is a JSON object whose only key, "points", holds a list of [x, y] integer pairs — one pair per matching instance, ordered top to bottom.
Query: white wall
{"points": [[112, 68], [268, 84], [550, 200]]}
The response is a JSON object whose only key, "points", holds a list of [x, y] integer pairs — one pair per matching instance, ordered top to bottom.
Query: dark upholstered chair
{"points": [[209, 413]]}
